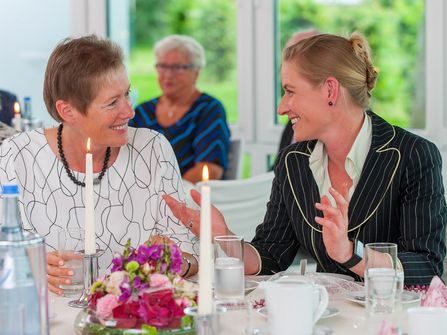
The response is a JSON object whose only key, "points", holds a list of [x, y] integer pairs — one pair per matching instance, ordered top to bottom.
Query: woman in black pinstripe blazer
{"points": [[350, 177]]}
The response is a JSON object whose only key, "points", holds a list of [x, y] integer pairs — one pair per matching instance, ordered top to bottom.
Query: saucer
{"points": [[250, 285], [408, 297], [328, 313], [322, 330]]}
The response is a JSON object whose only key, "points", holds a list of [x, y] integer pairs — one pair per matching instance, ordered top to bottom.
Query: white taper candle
{"points": [[90, 245], [205, 263]]}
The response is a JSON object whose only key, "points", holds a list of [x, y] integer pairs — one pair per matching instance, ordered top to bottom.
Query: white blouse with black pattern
{"points": [[128, 199]]}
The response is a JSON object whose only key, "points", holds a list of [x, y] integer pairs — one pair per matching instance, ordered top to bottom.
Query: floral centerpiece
{"points": [[144, 291]]}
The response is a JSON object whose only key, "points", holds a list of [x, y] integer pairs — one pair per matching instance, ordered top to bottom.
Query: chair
{"points": [[234, 169], [242, 202]]}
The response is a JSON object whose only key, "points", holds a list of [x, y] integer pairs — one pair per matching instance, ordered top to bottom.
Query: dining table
{"points": [[347, 317]]}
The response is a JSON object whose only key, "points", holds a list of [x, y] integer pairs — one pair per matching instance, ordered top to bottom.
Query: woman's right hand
{"points": [[190, 217], [57, 275]]}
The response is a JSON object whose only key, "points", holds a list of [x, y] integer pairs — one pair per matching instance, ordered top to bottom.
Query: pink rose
{"points": [[159, 280], [183, 302], [105, 306]]}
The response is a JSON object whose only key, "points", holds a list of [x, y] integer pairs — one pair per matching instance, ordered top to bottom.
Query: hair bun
{"points": [[361, 49]]}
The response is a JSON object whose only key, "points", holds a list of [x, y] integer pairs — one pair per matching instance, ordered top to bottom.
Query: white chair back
{"points": [[242, 202]]}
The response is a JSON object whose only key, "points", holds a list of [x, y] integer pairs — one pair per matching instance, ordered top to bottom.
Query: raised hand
{"points": [[190, 217], [335, 226]]}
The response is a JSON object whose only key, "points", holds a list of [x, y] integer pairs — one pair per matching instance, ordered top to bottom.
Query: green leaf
{"points": [[149, 330]]}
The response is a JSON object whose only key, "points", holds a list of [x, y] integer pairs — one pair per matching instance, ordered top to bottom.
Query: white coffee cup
{"points": [[294, 306], [427, 320]]}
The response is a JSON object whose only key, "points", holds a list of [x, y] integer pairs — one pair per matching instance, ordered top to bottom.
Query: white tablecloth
{"points": [[350, 320]]}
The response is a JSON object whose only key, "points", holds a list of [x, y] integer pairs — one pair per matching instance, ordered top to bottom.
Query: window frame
{"points": [[256, 20]]}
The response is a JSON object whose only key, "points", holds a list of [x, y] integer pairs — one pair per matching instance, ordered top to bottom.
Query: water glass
{"points": [[71, 250], [229, 268], [383, 279], [12, 319]]}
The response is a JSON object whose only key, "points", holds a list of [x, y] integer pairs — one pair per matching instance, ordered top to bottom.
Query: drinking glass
{"points": [[70, 249], [229, 268], [383, 279]]}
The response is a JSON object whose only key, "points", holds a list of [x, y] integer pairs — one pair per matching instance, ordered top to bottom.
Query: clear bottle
{"points": [[27, 112], [22, 266]]}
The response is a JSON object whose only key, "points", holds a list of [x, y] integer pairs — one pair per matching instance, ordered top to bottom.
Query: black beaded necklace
{"points": [[64, 160]]}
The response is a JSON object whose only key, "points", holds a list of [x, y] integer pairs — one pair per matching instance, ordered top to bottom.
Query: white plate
{"points": [[337, 275], [314, 276], [250, 285], [408, 297], [328, 313], [322, 330]]}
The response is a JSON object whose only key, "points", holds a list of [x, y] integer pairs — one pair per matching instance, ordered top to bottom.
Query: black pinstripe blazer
{"points": [[399, 198]]}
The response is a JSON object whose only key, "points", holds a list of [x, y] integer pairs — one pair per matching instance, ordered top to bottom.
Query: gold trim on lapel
{"points": [[377, 176], [312, 195]]}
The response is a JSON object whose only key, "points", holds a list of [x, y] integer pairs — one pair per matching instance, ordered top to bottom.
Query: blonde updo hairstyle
{"points": [[348, 60]]}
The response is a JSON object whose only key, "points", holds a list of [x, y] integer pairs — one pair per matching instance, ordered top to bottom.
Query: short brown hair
{"points": [[348, 60], [74, 71]]}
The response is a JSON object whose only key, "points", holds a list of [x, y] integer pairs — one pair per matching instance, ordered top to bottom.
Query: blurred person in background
{"points": [[194, 122]]}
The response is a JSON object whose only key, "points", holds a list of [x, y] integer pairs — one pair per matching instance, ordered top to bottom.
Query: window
{"points": [[211, 22], [395, 31]]}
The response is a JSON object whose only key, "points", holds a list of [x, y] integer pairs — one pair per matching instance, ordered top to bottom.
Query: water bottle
{"points": [[27, 114], [22, 266]]}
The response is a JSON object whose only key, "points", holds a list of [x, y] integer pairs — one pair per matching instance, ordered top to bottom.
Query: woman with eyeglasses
{"points": [[86, 90], [194, 122]]}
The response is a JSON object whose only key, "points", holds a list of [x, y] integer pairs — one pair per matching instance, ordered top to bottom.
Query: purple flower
{"points": [[132, 257], [176, 259], [117, 262], [137, 282], [126, 291]]}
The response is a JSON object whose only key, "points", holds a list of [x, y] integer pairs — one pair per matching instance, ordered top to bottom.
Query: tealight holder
{"points": [[90, 275], [206, 324]]}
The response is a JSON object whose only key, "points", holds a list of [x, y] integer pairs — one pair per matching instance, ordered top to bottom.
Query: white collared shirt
{"points": [[318, 161]]}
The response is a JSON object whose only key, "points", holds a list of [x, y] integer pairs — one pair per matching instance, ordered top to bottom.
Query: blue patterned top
{"points": [[201, 135]]}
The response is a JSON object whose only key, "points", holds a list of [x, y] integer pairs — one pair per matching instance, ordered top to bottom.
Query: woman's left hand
{"points": [[335, 226]]}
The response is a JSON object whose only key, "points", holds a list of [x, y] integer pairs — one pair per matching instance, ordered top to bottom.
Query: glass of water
{"points": [[70, 249], [229, 268], [383, 279]]}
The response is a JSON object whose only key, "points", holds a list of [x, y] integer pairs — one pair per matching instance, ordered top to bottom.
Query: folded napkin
{"points": [[436, 295], [387, 329]]}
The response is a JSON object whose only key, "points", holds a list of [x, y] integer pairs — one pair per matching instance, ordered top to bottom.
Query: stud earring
{"points": [[330, 103]]}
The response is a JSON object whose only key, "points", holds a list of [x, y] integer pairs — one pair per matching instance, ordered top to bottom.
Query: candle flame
{"points": [[16, 108], [88, 145], [205, 173]]}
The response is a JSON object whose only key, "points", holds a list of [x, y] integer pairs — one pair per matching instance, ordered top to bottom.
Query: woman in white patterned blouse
{"points": [[86, 89]]}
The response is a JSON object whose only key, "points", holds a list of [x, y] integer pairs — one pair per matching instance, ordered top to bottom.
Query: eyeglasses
{"points": [[175, 68]]}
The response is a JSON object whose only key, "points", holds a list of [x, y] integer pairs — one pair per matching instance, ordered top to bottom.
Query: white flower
{"points": [[114, 282]]}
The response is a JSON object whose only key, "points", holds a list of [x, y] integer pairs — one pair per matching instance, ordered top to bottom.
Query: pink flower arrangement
{"points": [[144, 289]]}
